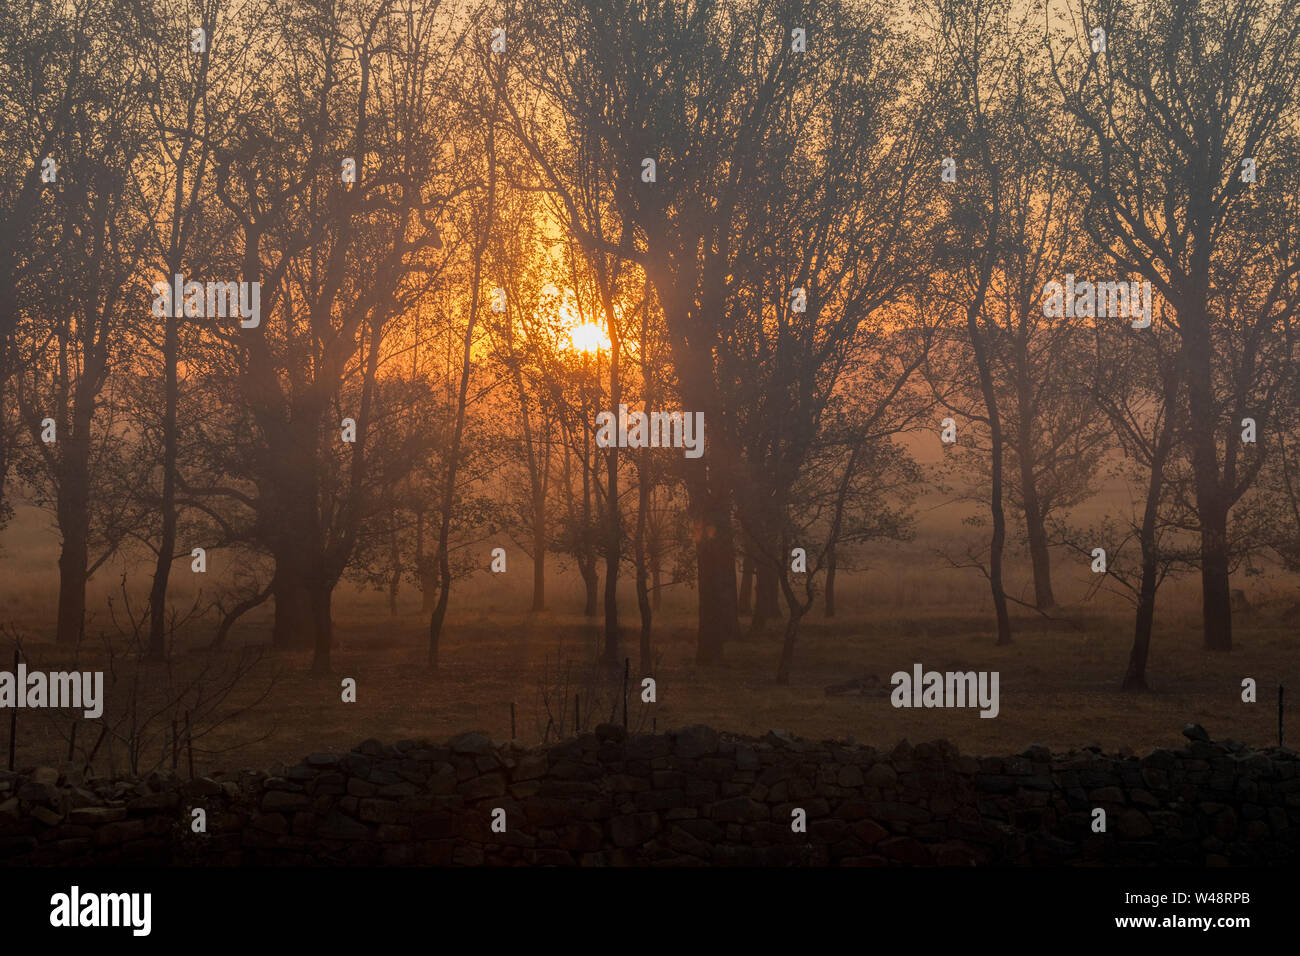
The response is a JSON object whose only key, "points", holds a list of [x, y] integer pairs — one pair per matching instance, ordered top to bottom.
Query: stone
{"points": [[612, 732], [1195, 732], [696, 741], [470, 743], [881, 775], [38, 793], [280, 801], [46, 816], [92, 816], [1133, 824], [633, 829]]}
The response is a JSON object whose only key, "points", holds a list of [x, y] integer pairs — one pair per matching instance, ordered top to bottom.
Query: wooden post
{"points": [[627, 664], [13, 716], [189, 743], [176, 746]]}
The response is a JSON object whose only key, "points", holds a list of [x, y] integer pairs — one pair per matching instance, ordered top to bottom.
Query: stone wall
{"points": [[682, 798]]}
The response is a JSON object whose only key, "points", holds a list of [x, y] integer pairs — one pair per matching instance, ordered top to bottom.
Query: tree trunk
{"points": [[74, 526], [613, 528], [1036, 529], [613, 531], [167, 541], [998, 543], [298, 546], [539, 553], [424, 567], [716, 578], [395, 581], [591, 581], [830, 582], [746, 584], [642, 591], [1216, 593], [656, 594], [767, 598], [1216, 603], [797, 611], [439, 613], [294, 627], [787, 650], [1135, 678]]}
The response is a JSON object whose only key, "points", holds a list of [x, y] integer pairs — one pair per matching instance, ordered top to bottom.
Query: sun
{"points": [[576, 332], [588, 337]]}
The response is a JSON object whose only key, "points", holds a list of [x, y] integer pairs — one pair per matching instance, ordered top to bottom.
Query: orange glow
{"points": [[577, 332], [588, 337]]}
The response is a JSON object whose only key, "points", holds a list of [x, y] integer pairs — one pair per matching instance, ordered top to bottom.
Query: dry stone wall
{"points": [[690, 797]]}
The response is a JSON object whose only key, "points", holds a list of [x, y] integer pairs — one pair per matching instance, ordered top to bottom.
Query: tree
{"points": [[1173, 100], [82, 321]]}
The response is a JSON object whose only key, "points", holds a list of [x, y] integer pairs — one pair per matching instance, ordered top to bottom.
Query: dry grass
{"points": [[1059, 680], [1059, 686]]}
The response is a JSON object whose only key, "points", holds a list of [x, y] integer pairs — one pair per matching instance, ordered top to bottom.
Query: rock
{"points": [[612, 732], [1195, 732], [782, 737], [696, 741], [471, 743], [746, 758], [529, 767], [45, 775], [881, 775], [202, 787], [480, 788], [38, 793], [155, 801], [280, 801], [738, 809], [46, 816], [93, 816], [1133, 824], [340, 827], [633, 829]]}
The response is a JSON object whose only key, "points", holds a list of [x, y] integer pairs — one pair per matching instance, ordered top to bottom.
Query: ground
{"points": [[1059, 680], [1059, 686]]}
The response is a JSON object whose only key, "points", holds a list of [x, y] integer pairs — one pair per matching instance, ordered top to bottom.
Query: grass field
{"points": [[1059, 680]]}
